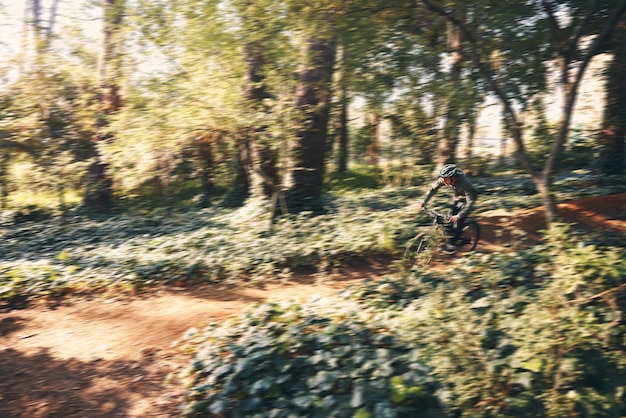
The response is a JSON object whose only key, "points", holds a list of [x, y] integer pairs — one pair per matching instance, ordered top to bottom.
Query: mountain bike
{"points": [[422, 248]]}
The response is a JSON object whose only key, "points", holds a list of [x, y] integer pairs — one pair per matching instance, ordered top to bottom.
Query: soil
{"points": [[106, 357]]}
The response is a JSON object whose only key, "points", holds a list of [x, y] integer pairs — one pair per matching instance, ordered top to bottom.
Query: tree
{"points": [[503, 51], [313, 99], [342, 118], [42, 122], [613, 132], [257, 152], [446, 152], [98, 191]]}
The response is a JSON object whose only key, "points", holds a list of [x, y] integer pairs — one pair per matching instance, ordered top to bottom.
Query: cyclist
{"points": [[462, 203]]}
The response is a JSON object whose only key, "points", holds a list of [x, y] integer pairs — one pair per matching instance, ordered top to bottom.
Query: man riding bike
{"points": [[462, 203]]}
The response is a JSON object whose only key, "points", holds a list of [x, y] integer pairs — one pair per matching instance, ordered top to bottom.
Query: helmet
{"points": [[449, 170]]}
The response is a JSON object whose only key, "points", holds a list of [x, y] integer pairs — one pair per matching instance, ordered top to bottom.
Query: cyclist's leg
{"points": [[457, 227]]}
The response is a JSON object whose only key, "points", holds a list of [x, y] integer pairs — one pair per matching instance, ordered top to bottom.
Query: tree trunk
{"points": [[313, 105], [342, 117], [613, 133], [471, 134], [373, 149], [446, 150], [342, 151], [258, 157], [261, 158], [207, 169], [4, 180], [239, 189], [98, 190]]}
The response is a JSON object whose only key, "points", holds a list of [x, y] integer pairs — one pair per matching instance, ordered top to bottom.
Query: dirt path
{"points": [[112, 358]]}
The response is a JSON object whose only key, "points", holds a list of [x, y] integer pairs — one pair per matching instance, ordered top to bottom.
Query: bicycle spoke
{"points": [[470, 236], [419, 253]]}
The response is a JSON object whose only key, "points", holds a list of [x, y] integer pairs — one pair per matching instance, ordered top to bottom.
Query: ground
{"points": [[108, 357]]}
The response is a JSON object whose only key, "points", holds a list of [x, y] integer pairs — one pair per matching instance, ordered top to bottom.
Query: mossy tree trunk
{"points": [[313, 100], [98, 187]]}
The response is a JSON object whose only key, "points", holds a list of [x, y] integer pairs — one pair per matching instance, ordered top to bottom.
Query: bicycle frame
{"points": [[440, 225], [425, 245]]}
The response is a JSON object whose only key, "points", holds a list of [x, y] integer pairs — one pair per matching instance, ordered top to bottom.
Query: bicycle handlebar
{"points": [[438, 216]]}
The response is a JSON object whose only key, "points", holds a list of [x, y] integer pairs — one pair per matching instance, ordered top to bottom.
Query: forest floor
{"points": [[104, 357]]}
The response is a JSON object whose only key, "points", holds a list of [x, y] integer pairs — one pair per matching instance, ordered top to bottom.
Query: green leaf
{"points": [[63, 255], [482, 303], [534, 365], [525, 379], [398, 389], [358, 397], [304, 401], [219, 406], [362, 413]]}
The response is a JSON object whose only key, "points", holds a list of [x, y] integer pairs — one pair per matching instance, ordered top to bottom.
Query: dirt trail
{"points": [[112, 358]]}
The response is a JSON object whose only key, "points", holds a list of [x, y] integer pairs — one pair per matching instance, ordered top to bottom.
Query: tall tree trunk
{"points": [[313, 104], [342, 129], [613, 133], [471, 137], [447, 148], [373, 149], [257, 155], [261, 158], [207, 168], [4, 179], [98, 190]]}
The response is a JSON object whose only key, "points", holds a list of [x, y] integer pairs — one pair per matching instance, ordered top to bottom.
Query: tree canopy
{"points": [[222, 100]]}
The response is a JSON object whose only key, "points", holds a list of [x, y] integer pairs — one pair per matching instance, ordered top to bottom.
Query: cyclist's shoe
{"points": [[449, 248]]}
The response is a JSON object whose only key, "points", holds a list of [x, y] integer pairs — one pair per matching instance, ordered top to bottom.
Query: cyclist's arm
{"points": [[430, 192], [470, 199]]}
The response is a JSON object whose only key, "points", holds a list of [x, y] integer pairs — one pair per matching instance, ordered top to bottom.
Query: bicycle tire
{"points": [[470, 236], [419, 252]]}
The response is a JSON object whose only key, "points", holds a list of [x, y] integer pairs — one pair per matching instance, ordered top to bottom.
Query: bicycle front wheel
{"points": [[469, 236], [419, 253]]}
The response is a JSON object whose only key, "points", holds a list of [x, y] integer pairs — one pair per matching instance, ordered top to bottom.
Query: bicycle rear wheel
{"points": [[469, 236], [419, 252]]}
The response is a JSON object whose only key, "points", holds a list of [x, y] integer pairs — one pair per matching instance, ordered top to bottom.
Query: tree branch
{"points": [[478, 59]]}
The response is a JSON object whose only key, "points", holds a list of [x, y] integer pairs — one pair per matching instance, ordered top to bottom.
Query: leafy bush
{"points": [[365, 177], [205, 245], [134, 251], [389, 293], [534, 333], [292, 360]]}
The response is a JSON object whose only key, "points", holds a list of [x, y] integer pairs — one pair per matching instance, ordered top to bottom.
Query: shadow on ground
{"points": [[38, 385]]}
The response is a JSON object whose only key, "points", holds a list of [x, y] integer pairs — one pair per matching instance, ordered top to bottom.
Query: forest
{"points": [[200, 103], [150, 144]]}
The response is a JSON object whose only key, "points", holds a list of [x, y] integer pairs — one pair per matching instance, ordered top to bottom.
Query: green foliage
{"points": [[42, 115], [582, 149], [364, 177], [140, 250], [143, 250], [387, 293], [537, 332], [533, 333], [285, 360]]}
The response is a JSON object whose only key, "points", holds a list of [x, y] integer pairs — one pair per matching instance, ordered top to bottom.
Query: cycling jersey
{"points": [[463, 191]]}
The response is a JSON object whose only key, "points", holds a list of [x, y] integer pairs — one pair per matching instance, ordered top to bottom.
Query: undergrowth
{"points": [[132, 252], [538, 332]]}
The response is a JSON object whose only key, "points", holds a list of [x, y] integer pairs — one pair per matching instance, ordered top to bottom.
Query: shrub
{"points": [[130, 251], [534, 333], [291, 360]]}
